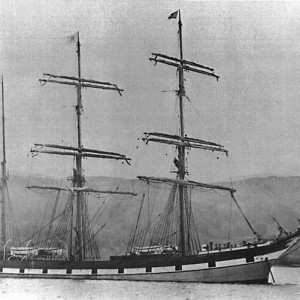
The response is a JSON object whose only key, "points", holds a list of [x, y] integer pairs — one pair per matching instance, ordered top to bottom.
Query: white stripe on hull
{"points": [[232, 262], [194, 267], [163, 269], [10, 270], [33, 271], [57, 271], [81, 271], [107, 271], [135, 271], [255, 271]]}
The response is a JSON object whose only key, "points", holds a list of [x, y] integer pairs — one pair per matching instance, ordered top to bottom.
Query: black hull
{"points": [[121, 264]]}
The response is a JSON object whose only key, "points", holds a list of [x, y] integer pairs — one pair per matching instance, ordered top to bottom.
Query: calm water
{"points": [[287, 286]]}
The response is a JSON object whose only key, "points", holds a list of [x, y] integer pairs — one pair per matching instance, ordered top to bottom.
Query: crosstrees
{"points": [[182, 61], [184, 64], [86, 83], [182, 141], [75, 151], [187, 183]]}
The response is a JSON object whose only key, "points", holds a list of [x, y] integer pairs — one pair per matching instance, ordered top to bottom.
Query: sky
{"points": [[254, 109]]}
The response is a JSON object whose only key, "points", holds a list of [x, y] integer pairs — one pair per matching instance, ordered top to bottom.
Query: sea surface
{"points": [[286, 286]]}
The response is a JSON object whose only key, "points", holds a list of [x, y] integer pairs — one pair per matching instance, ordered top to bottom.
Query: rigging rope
{"points": [[230, 219], [137, 222], [250, 226], [29, 238]]}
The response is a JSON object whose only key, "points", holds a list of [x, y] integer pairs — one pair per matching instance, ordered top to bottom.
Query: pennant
{"points": [[173, 15], [73, 38]]}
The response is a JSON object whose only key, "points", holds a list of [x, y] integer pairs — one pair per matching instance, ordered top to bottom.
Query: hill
{"points": [[217, 218]]}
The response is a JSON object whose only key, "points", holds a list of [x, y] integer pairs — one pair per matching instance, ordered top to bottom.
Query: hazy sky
{"points": [[254, 110]]}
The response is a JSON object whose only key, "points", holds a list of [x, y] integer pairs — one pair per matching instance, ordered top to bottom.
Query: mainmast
{"points": [[4, 177], [79, 189]]}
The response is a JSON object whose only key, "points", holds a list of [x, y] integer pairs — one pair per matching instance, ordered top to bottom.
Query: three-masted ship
{"points": [[174, 252]]}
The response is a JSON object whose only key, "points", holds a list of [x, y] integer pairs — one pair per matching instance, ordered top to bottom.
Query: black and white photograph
{"points": [[149, 149]]}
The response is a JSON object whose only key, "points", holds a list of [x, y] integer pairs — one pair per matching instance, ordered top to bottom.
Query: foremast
{"points": [[182, 142], [181, 148], [79, 152], [79, 179]]}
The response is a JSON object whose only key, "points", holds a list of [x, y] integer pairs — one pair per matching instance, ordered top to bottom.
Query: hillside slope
{"points": [[217, 218]]}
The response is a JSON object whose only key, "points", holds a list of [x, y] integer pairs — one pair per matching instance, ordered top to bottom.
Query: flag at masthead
{"points": [[173, 15]]}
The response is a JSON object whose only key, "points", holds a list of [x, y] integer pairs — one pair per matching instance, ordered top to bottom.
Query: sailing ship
{"points": [[172, 252]]}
